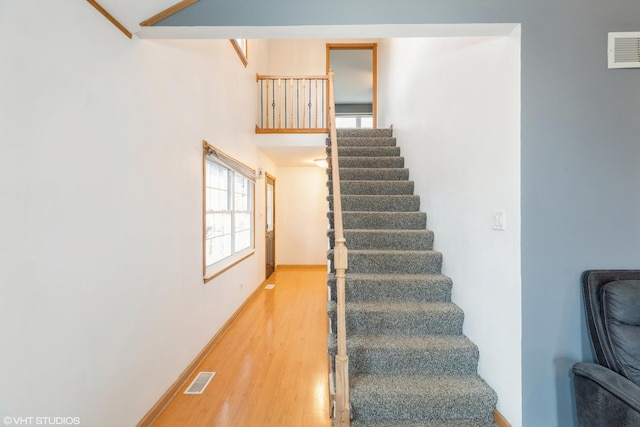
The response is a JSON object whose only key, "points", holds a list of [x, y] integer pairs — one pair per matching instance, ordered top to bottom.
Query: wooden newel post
{"points": [[343, 410]]}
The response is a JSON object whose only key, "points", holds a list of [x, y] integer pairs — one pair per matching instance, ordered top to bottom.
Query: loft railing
{"points": [[292, 104], [342, 406]]}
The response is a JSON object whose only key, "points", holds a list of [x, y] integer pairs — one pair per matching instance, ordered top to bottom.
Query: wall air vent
{"points": [[624, 50], [200, 383]]}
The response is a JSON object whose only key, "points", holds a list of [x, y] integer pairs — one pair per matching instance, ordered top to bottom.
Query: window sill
{"points": [[216, 270]]}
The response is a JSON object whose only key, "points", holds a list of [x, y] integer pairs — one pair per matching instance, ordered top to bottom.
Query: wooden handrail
{"points": [[343, 408]]}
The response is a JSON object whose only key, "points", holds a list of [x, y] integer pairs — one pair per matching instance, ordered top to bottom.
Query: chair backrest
{"points": [[612, 304]]}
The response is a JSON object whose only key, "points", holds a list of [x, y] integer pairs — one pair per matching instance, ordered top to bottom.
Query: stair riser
{"points": [[371, 174], [374, 187], [378, 203], [382, 220], [416, 240], [393, 291]]}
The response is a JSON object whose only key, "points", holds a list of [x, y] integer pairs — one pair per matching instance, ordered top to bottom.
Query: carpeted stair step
{"points": [[347, 132], [361, 141], [365, 152], [371, 162], [372, 174], [371, 187], [385, 203], [382, 220], [412, 240], [392, 261], [394, 287], [409, 318], [409, 354], [421, 397], [409, 423]]}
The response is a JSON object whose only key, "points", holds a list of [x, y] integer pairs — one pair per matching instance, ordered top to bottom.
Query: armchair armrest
{"points": [[605, 398]]}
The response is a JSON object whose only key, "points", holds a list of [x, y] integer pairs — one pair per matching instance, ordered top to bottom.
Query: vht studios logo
{"points": [[41, 421]]}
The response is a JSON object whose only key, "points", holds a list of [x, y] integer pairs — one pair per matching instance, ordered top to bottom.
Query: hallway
{"points": [[271, 366]]}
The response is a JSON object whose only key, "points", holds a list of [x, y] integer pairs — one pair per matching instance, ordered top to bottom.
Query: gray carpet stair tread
{"points": [[362, 132], [372, 141], [365, 151], [371, 162], [371, 173], [373, 187], [378, 203], [382, 220], [417, 240], [394, 261], [413, 278], [394, 287], [427, 308], [380, 317], [422, 342], [409, 354], [450, 397], [411, 423]]}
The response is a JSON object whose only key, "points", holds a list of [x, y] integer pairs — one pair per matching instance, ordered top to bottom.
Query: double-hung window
{"points": [[228, 211]]}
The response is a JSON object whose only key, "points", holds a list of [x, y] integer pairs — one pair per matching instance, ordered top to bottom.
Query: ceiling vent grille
{"points": [[624, 50], [200, 383]]}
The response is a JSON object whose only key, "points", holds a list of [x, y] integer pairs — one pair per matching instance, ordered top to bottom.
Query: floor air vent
{"points": [[624, 50], [200, 383]]}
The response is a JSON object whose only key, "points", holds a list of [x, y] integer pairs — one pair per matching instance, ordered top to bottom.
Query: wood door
{"points": [[270, 225]]}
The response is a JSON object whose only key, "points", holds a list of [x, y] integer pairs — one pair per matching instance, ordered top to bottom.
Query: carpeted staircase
{"points": [[409, 364]]}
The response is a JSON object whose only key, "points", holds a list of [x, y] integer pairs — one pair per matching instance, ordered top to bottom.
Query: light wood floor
{"points": [[271, 366]]}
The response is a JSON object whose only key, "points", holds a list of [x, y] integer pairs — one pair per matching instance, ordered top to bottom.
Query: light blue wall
{"points": [[580, 155]]}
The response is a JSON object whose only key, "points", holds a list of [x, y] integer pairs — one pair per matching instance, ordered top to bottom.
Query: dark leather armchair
{"points": [[608, 391]]}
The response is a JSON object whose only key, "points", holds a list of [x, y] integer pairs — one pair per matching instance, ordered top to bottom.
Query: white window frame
{"points": [[233, 168]]}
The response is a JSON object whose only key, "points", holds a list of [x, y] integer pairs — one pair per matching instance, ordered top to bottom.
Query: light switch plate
{"points": [[497, 220]]}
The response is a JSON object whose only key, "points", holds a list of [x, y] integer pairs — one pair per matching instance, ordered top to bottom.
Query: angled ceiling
{"points": [[132, 13]]}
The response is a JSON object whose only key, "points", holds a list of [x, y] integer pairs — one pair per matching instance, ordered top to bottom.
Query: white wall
{"points": [[304, 56], [297, 57], [455, 107], [301, 191], [301, 216], [102, 301]]}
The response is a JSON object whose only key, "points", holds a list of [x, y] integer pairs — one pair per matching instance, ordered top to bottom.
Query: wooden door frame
{"points": [[360, 46], [266, 216]]}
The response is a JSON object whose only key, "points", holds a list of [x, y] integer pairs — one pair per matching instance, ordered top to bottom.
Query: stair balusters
{"points": [[292, 104]]}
